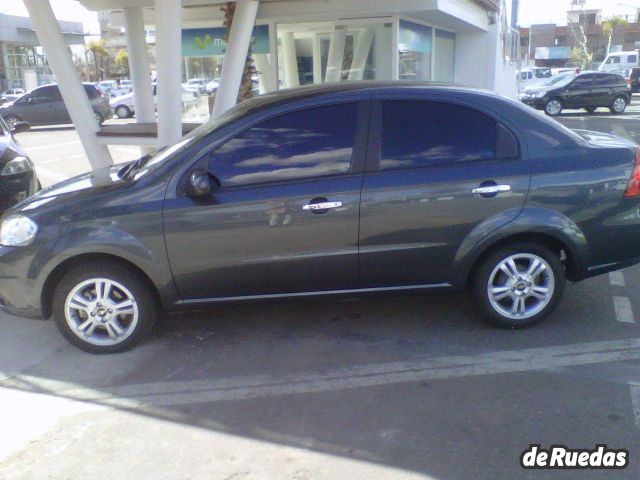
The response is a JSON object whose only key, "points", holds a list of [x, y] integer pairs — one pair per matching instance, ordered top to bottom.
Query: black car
{"points": [[632, 76], [588, 90], [44, 106], [18, 178], [338, 189]]}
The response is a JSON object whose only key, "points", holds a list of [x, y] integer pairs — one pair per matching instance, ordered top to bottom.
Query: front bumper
{"points": [[537, 103], [20, 292]]}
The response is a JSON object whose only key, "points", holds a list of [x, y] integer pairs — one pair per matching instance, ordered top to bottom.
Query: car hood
{"points": [[606, 140], [83, 185]]}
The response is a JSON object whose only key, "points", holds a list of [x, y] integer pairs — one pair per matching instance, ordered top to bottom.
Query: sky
{"points": [[63, 9], [555, 11]]}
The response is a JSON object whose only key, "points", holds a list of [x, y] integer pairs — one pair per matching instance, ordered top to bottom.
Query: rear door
{"points": [[605, 86], [39, 110], [435, 170], [285, 216]]}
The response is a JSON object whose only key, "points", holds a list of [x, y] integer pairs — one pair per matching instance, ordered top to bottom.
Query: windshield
{"points": [[560, 78]]}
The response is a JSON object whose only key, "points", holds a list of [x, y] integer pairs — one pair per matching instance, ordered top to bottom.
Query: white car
{"points": [[617, 62], [531, 76], [196, 85], [212, 86], [124, 105]]}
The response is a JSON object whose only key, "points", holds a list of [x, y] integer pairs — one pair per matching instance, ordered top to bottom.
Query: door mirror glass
{"points": [[199, 184]]}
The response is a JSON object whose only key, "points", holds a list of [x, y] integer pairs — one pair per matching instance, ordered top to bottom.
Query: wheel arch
{"points": [[54, 277]]}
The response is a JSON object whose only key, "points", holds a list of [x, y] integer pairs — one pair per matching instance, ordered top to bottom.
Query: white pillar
{"points": [[336, 54], [360, 54], [235, 57], [317, 58], [290, 60], [169, 65], [139, 66], [263, 66], [70, 84]]}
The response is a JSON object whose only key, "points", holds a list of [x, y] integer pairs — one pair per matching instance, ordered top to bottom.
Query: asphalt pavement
{"points": [[411, 386]]}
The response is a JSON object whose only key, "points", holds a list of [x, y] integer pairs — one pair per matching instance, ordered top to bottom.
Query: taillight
{"points": [[633, 189]]}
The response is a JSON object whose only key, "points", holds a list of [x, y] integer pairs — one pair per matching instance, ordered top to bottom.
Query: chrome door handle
{"points": [[491, 189], [322, 206]]}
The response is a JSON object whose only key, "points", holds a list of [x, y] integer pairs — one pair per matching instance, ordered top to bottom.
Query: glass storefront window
{"points": [[414, 48], [321, 52], [444, 61]]}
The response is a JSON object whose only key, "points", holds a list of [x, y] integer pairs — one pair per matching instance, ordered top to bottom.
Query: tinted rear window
{"points": [[92, 92], [422, 133]]}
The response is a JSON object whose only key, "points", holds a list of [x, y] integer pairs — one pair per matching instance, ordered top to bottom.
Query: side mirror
{"points": [[20, 127], [199, 184]]}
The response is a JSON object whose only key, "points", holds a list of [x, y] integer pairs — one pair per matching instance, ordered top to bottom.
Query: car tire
{"points": [[619, 105], [553, 107], [590, 110], [122, 111], [99, 117], [11, 120], [520, 298], [86, 304]]}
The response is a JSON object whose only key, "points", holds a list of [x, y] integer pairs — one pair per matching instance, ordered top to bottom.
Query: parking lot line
{"points": [[52, 145], [617, 279], [624, 312], [165, 393]]}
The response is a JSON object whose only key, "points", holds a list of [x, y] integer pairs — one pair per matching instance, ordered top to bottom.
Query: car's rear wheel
{"points": [[619, 104], [553, 107], [590, 109], [122, 111], [11, 121], [518, 285], [103, 307]]}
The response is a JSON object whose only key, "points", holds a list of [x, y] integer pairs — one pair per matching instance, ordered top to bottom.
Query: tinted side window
{"points": [[632, 59], [582, 81], [92, 92], [47, 94], [420, 133], [303, 144]]}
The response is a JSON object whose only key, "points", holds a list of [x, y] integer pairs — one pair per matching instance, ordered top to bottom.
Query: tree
{"points": [[608, 27], [99, 51], [581, 52], [122, 61], [249, 70]]}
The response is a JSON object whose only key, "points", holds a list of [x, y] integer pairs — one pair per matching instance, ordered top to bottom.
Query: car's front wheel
{"points": [[619, 105], [553, 107], [122, 111], [99, 117], [11, 121], [518, 285], [103, 307]]}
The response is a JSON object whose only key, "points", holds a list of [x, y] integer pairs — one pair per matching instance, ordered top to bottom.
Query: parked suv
{"points": [[588, 90], [44, 106], [331, 190]]}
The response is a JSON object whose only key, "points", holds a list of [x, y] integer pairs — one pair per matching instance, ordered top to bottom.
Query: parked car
{"points": [[619, 61], [532, 76], [632, 76], [547, 83], [125, 85], [197, 85], [212, 86], [588, 90], [10, 95], [124, 105], [44, 106], [18, 179], [332, 190]]}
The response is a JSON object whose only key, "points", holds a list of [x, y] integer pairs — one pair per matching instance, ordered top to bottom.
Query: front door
{"points": [[579, 93], [436, 171], [284, 218]]}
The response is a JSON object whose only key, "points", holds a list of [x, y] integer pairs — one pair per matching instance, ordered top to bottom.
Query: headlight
{"points": [[539, 94], [17, 165], [17, 231]]}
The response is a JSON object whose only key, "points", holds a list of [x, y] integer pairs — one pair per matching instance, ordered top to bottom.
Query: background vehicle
{"points": [[619, 61], [531, 76], [632, 76], [198, 85], [125, 86], [212, 86], [588, 90], [11, 94], [124, 105], [44, 106], [18, 178], [463, 189]]}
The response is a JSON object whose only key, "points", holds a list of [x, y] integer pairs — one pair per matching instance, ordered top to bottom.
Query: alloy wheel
{"points": [[619, 104], [554, 107], [521, 286], [101, 311]]}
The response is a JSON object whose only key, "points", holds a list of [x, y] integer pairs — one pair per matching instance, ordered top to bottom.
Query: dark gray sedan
{"points": [[329, 190]]}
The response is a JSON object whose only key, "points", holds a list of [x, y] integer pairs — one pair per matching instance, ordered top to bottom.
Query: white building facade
{"points": [[298, 42]]}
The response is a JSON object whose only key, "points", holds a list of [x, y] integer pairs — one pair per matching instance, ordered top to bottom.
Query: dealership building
{"points": [[292, 43]]}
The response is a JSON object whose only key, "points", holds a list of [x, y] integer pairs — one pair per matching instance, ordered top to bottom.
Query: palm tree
{"points": [[608, 26], [98, 50], [122, 61], [249, 70]]}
